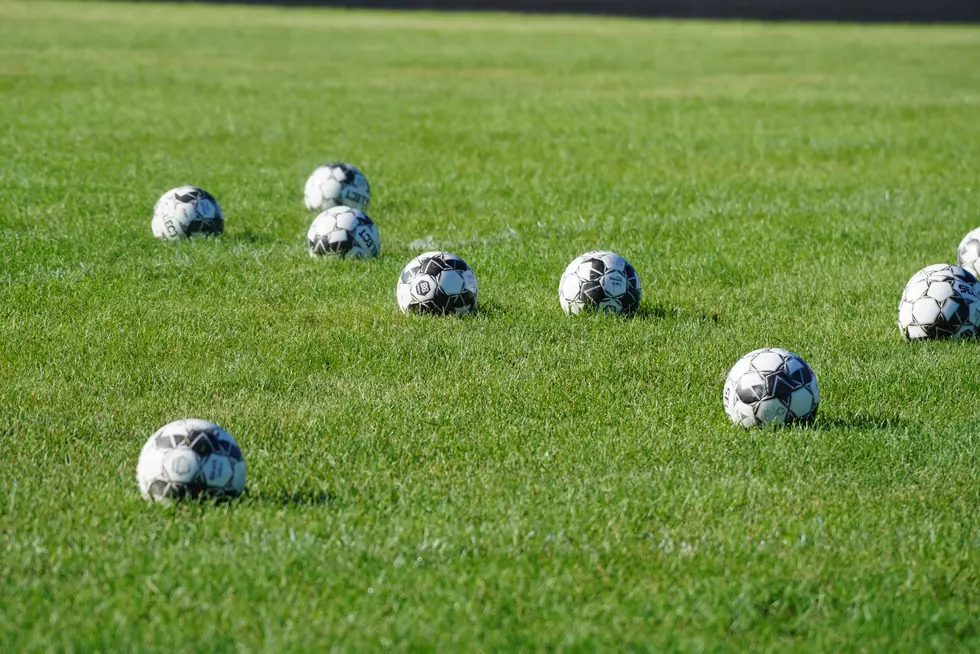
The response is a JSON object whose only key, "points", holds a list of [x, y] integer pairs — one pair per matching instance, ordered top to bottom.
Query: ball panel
{"points": [[345, 220], [613, 262], [590, 269], [450, 282], [614, 283], [915, 290], [940, 290], [593, 292], [404, 296], [612, 305], [925, 311], [955, 311], [905, 317], [915, 332], [767, 361], [780, 386], [750, 387], [801, 402], [771, 411], [746, 415], [182, 465], [218, 470]]}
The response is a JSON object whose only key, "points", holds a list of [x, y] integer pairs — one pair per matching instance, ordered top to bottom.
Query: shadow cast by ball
{"points": [[248, 236], [489, 309], [484, 310], [664, 312], [859, 420], [290, 499]]}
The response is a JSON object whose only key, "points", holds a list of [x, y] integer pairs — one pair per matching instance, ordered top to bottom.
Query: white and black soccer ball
{"points": [[336, 184], [186, 211], [343, 232], [968, 254], [599, 280], [437, 282], [940, 301], [771, 386], [190, 459]]}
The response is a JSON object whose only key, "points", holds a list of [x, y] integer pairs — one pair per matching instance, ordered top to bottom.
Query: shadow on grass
{"points": [[249, 236], [484, 309], [490, 309], [662, 312], [860, 420], [291, 499]]}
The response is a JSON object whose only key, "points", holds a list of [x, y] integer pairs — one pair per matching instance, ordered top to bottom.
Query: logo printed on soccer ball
{"points": [[356, 198], [366, 237], [615, 284], [423, 287]]}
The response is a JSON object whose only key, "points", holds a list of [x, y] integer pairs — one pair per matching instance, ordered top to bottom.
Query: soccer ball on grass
{"points": [[336, 184], [186, 211], [344, 232], [968, 254], [599, 280], [439, 283], [940, 301], [771, 386], [190, 458]]}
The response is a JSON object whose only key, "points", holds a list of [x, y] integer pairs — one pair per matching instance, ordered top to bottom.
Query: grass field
{"points": [[519, 480]]}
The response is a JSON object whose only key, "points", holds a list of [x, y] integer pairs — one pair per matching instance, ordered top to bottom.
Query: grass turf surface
{"points": [[521, 479]]}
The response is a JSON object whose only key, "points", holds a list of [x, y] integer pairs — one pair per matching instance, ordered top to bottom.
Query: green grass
{"points": [[520, 480]]}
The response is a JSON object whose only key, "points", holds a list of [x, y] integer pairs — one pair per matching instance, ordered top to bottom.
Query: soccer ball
{"points": [[336, 184], [186, 211], [344, 232], [968, 254], [599, 280], [437, 282], [941, 301], [771, 386], [190, 458]]}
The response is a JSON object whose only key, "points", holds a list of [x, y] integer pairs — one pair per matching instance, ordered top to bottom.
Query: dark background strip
{"points": [[825, 10]]}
